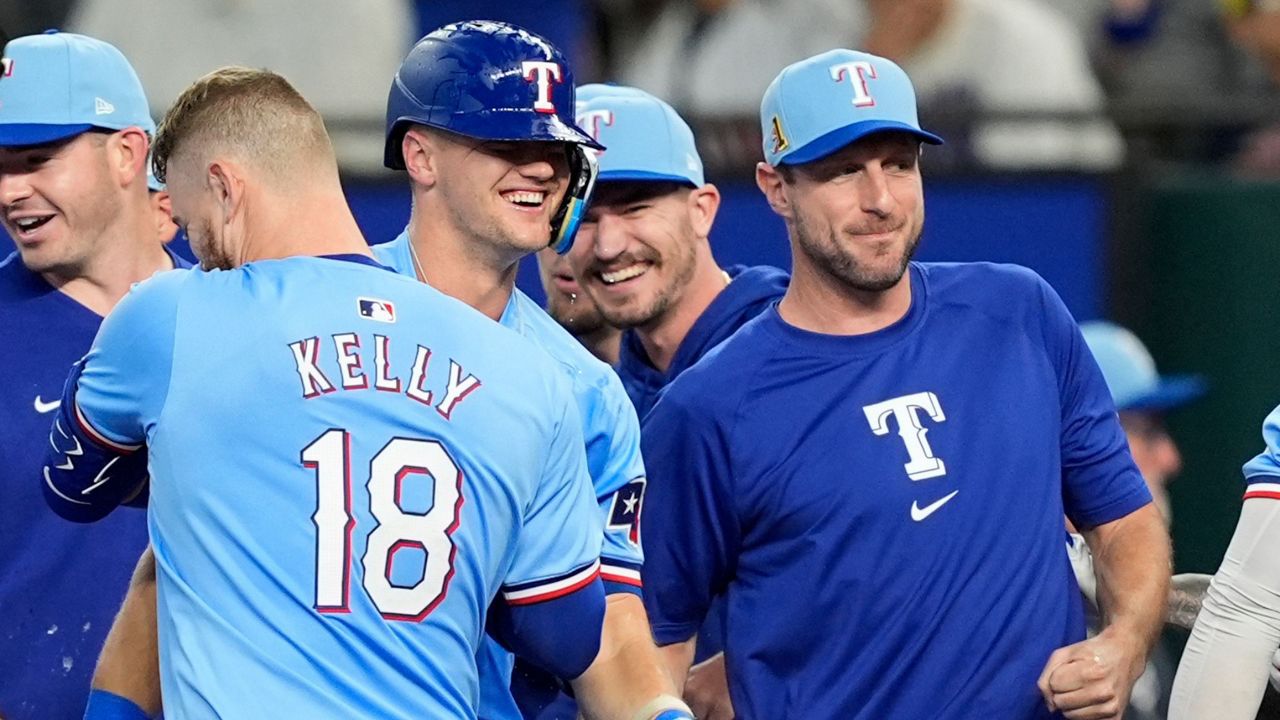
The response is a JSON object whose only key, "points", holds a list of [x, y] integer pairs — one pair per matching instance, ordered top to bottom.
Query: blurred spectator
{"points": [[27, 17], [566, 23], [1258, 31], [1151, 51], [340, 55], [1000, 56], [709, 57], [1142, 396]]}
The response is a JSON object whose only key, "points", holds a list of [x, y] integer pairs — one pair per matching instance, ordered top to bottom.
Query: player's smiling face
{"points": [[502, 193], [58, 201], [858, 213], [636, 250]]}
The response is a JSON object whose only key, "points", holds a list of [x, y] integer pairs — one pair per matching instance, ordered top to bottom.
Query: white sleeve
{"points": [[1225, 665]]}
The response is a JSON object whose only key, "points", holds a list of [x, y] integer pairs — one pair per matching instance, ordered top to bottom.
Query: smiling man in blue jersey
{"points": [[480, 117], [74, 134], [643, 254], [644, 259], [874, 471], [330, 515]]}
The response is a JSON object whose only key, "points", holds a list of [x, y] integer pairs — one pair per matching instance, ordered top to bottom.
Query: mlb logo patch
{"points": [[6, 67], [375, 309]]}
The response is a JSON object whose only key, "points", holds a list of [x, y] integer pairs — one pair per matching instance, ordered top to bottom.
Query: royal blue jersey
{"points": [[751, 290], [611, 434], [346, 468], [1262, 473], [884, 511], [61, 584]]}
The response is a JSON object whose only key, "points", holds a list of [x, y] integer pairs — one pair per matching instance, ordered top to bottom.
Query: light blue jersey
{"points": [[611, 433], [347, 470], [1262, 473]]}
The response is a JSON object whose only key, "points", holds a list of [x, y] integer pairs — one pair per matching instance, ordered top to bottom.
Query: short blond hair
{"points": [[255, 115]]}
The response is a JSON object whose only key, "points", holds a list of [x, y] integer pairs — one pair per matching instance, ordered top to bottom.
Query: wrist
{"points": [[1132, 644], [664, 707]]}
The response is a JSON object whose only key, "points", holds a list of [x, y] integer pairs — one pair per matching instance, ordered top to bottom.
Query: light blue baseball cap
{"points": [[57, 85], [817, 106], [644, 138], [1130, 371]]}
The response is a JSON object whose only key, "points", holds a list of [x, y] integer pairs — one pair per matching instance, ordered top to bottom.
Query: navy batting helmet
{"points": [[494, 81]]}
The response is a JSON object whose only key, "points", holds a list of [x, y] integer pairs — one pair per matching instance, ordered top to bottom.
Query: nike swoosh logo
{"points": [[46, 407], [920, 513]]}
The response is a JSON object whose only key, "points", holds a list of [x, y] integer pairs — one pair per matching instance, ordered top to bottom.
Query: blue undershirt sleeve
{"points": [[97, 458]]}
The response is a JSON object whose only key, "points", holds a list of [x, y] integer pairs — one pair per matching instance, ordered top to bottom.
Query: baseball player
{"points": [[480, 117], [74, 134], [472, 232], [643, 255], [644, 259], [874, 471], [330, 515], [1224, 667]]}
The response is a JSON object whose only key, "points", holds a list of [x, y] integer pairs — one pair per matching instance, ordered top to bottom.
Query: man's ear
{"points": [[127, 153], [420, 153], [770, 182], [227, 184], [704, 203]]}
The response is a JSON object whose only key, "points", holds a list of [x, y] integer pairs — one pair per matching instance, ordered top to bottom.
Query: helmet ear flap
{"points": [[583, 170]]}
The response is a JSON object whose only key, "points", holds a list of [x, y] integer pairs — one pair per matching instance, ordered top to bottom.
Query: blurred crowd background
{"points": [[1128, 150]]}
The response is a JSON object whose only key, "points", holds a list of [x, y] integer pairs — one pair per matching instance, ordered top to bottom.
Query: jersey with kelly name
{"points": [[611, 433], [346, 468], [1262, 473], [884, 511], [60, 583]]}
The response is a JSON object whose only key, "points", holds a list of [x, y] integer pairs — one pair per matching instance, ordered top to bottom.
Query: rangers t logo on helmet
{"points": [[542, 73], [494, 81]]}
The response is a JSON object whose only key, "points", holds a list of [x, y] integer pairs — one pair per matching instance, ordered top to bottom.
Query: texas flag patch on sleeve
{"points": [[625, 513]]}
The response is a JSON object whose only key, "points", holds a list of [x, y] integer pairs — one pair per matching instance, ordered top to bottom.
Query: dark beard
{"points": [[845, 269]]}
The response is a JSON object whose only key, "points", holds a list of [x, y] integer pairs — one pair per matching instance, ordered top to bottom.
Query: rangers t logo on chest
{"points": [[905, 412]]}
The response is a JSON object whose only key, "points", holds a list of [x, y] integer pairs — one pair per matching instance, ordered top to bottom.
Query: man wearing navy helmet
{"points": [[480, 116], [873, 472]]}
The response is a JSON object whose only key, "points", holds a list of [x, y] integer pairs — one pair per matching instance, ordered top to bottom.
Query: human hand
{"points": [[1092, 679], [707, 690]]}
